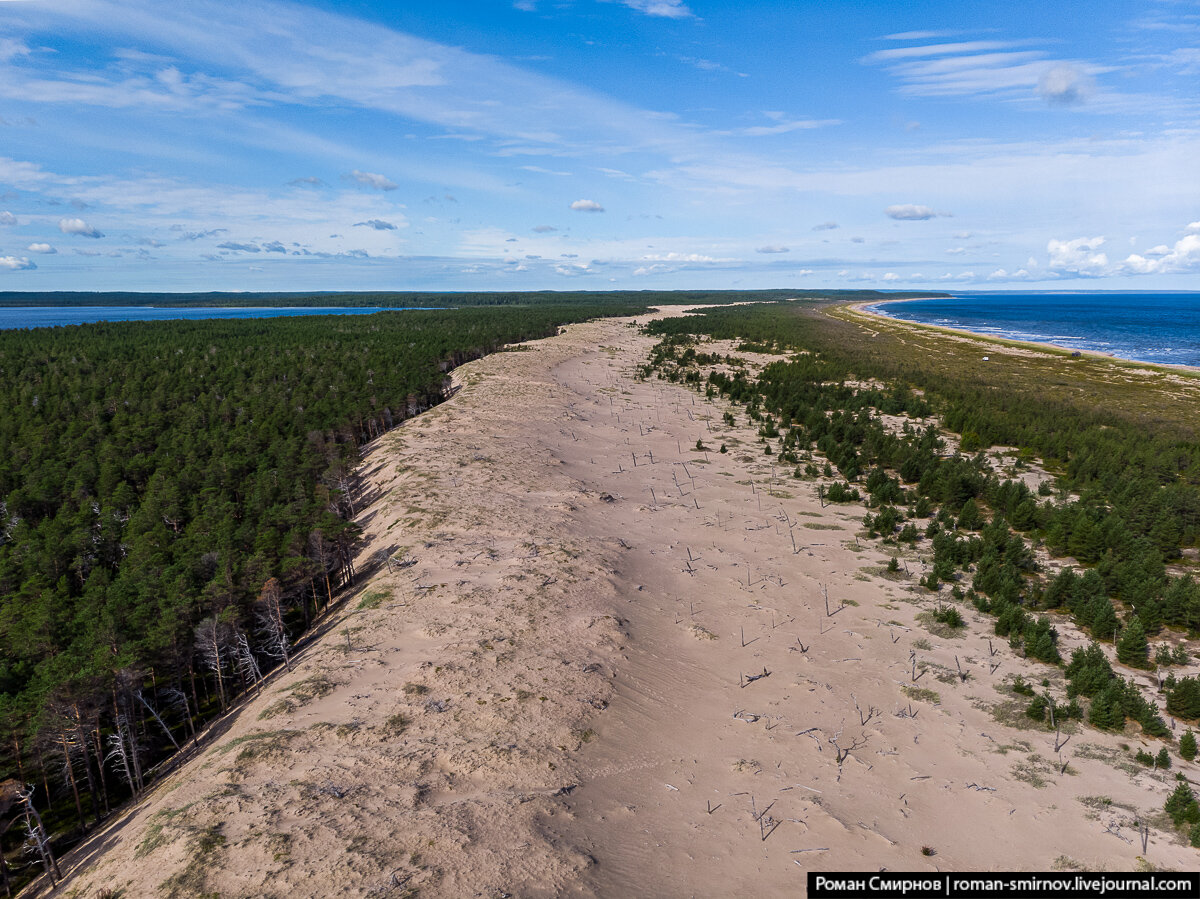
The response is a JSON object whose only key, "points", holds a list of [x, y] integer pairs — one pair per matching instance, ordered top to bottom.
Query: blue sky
{"points": [[598, 144]]}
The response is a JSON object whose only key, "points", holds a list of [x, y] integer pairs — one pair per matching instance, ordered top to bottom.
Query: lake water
{"points": [[49, 316], [1144, 327]]}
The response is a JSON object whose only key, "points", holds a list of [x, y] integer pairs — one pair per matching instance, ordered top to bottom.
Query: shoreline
{"points": [[1056, 348]]}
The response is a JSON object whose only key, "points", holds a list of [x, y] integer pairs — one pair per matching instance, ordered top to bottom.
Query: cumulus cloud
{"points": [[1064, 85], [371, 179], [587, 206], [911, 212], [7, 218], [377, 224], [825, 226], [79, 227], [1193, 228], [543, 229], [274, 246], [239, 247], [43, 248], [770, 249], [1079, 256], [1184, 256], [15, 263]]}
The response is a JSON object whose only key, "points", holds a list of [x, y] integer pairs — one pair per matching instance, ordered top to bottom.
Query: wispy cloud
{"points": [[669, 9], [1007, 69], [371, 179], [912, 212], [7, 218], [377, 224], [771, 249]]}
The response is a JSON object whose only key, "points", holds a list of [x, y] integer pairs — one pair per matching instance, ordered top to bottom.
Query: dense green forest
{"points": [[415, 299], [1124, 504], [175, 508]]}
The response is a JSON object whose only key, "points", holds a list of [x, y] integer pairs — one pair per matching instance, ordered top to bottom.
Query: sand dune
{"points": [[607, 667]]}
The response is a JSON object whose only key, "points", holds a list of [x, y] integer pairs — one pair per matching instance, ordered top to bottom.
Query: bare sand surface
{"points": [[606, 663]]}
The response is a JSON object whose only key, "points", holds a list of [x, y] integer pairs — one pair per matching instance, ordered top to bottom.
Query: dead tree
{"points": [[270, 611], [213, 637], [247, 664], [843, 752], [37, 840]]}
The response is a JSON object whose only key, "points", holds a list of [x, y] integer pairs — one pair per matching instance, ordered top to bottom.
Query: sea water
{"points": [[49, 316], [1145, 327]]}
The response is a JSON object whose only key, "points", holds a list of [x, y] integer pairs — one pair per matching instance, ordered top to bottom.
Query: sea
{"points": [[50, 316], [1162, 328]]}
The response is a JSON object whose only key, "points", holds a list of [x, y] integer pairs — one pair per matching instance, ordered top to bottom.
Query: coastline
{"points": [[865, 309]]}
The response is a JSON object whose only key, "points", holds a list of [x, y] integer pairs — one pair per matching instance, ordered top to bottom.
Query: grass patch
{"points": [[820, 526], [374, 599], [298, 694], [921, 694], [190, 883]]}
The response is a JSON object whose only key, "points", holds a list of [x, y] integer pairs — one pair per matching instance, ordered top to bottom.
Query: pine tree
{"points": [[1133, 649], [1187, 745], [1163, 759]]}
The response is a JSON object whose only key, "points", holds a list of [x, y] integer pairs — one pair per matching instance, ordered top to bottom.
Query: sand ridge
{"points": [[601, 663]]}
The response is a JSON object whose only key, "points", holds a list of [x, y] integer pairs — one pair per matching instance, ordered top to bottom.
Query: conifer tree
{"points": [[1133, 649], [1187, 745]]}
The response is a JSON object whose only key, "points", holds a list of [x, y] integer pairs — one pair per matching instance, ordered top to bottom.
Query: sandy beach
{"points": [[1003, 344], [591, 659]]}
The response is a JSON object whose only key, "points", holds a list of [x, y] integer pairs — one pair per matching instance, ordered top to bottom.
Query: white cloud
{"points": [[669, 9], [1064, 85], [783, 125], [539, 170], [371, 179], [587, 206], [911, 212], [7, 218], [79, 227], [1193, 228], [43, 248], [772, 249], [956, 251], [1078, 256], [1184, 256], [679, 257], [16, 264], [656, 269], [803, 271], [890, 276]]}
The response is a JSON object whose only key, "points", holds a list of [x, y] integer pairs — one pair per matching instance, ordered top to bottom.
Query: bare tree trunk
{"points": [[161, 723], [69, 770], [41, 842]]}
